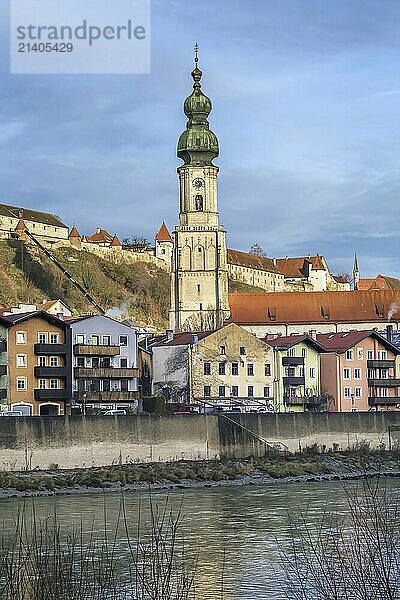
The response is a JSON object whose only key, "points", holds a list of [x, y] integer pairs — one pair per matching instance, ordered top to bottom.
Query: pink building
{"points": [[360, 370]]}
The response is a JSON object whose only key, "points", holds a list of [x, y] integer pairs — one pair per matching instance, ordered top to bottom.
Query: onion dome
{"points": [[198, 145]]}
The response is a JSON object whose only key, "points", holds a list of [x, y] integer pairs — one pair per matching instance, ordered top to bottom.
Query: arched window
{"points": [[199, 202]]}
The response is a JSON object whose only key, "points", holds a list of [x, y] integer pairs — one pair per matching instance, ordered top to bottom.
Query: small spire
{"points": [[196, 54], [196, 73]]}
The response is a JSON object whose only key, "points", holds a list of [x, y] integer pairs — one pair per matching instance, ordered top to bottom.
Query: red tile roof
{"points": [[20, 225], [74, 233], [163, 234], [100, 237], [115, 241], [252, 261], [297, 267], [380, 282], [314, 307], [291, 340], [340, 342]]}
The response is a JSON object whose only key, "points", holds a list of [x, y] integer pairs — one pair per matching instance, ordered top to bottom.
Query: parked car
{"points": [[114, 411]]}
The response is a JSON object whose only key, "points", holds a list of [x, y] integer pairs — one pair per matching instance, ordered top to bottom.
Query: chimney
{"points": [[97, 229], [60, 316], [389, 333], [313, 334], [170, 335], [195, 338]]}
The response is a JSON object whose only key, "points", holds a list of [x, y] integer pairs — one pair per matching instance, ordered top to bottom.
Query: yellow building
{"points": [[226, 368], [297, 383]]}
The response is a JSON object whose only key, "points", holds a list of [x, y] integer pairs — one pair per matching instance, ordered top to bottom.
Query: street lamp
{"points": [[84, 405]]}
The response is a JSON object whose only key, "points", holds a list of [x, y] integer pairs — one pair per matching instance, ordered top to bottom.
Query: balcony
{"points": [[3, 346], [54, 349], [92, 350], [292, 361], [381, 364], [3, 370], [52, 371], [104, 373], [293, 381], [384, 382], [3, 394], [52, 394], [105, 396], [295, 400], [388, 401]]}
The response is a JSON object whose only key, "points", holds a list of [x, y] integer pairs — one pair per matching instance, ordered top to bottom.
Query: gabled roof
{"points": [[13, 212], [20, 225], [74, 233], [163, 234], [100, 237], [252, 261], [297, 266], [341, 279], [380, 282], [314, 307], [14, 319], [181, 339], [344, 340], [285, 342]]}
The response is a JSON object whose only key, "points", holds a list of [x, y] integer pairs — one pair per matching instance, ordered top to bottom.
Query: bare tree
{"points": [[257, 250], [350, 555]]}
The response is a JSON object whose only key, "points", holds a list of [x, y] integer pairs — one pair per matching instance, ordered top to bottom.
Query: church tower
{"points": [[199, 290]]}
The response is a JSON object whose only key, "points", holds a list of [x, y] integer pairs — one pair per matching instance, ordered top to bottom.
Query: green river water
{"points": [[233, 529]]}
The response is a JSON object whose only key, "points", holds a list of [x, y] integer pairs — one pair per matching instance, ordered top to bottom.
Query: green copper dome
{"points": [[198, 145]]}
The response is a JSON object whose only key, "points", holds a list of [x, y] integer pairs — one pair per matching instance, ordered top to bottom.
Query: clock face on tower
{"points": [[198, 183]]}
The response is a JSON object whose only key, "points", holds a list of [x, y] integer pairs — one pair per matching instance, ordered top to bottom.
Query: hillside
{"points": [[139, 290]]}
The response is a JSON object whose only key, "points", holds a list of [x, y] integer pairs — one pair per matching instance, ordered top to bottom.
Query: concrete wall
{"points": [[97, 441]]}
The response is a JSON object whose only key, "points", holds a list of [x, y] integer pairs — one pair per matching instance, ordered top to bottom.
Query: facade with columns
{"points": [[199, 289]]}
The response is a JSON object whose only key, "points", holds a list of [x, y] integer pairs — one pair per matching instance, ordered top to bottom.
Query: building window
{"points": [[198, 288], [21, 337], [42, 338], [54, 338], [80, 339], [94, 340], [106, 340], [123, 340], [222, 350], [242, 351], [292, 352], [304, 352], [360, 353], [349, 354], [382, 354], [370, 355], [21, 360], [42, 361], [54, 361], [80, 361], [123, 363], [207, 368], [221, 368], [235, 368], [250, 369], [267, 370], [312, 373], [346, 373], [357, 373], [370, 373], [383, 374], [21, 383], [42, 384], [53, 384], [207, 391], [221, 391], [235, 391], [250, 391], [266, 392], [347, 392], [358, 392]]}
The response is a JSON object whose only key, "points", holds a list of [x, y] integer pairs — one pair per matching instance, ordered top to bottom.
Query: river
{"points": [[234, 529]]}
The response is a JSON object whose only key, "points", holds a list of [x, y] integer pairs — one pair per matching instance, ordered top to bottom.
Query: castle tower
{"points": [[356, 273], [199, 290]]}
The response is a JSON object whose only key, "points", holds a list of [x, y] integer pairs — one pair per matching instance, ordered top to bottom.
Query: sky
{"points": [[305, 105]]}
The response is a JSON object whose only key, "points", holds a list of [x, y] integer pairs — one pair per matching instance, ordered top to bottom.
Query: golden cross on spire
{"points": [[196, 53]]}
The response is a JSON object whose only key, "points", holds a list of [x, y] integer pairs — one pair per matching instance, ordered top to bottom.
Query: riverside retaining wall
{"points": [[75, 442]]}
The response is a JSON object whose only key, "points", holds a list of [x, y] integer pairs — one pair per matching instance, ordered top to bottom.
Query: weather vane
{"points": [[196, 51]]}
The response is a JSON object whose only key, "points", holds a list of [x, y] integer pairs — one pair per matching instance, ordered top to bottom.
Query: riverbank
{"points": [[196, 474]]}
